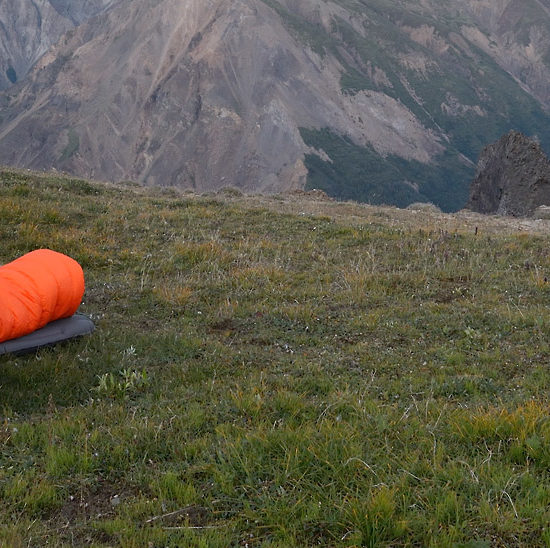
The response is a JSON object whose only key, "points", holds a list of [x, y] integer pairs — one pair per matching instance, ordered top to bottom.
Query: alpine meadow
{"points": [[278, 371]]}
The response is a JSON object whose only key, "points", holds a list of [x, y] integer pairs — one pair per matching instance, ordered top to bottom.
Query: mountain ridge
{"points": [[379, 100]]}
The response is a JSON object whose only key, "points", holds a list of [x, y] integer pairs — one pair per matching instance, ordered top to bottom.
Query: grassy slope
{"points": [[278, 372]]}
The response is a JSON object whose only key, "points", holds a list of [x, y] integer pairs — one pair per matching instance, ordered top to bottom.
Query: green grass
{"points": [[278, 371]]}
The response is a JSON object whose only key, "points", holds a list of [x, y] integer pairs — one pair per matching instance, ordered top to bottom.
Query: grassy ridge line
{"points": [[278, 372]]}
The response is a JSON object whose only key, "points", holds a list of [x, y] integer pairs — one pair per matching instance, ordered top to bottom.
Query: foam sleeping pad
{"points": [[36, 289], [52, 333]]}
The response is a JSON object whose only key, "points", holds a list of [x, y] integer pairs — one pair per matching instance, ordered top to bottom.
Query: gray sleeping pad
{"points": [[52, 333]]}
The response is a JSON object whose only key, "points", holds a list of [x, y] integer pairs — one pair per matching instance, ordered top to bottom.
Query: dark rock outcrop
{"points": [[513, 177]]}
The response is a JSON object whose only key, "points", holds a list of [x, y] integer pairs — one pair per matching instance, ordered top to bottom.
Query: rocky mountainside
{"points": [[28, 28], [388, 101], [513, 177]]}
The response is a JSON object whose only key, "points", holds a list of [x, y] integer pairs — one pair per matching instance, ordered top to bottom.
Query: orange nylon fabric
{"points": [[38, 288]]}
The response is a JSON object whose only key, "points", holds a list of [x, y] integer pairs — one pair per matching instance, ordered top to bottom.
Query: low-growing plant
{"points": [[123, 385]]}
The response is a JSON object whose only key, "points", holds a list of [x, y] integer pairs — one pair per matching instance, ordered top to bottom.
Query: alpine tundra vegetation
{"points": [[278, 371]]}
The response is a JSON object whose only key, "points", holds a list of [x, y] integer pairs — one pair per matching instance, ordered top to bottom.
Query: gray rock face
{"points": [[79, 11], [29, 27], [27, 30], [200, 94], [513, 177]]}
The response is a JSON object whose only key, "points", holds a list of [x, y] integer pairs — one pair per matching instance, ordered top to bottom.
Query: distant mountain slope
{"points": [[28, 28], [377, 100]]}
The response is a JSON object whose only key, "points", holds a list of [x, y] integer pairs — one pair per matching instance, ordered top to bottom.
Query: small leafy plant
{"points": [[123, 385]]}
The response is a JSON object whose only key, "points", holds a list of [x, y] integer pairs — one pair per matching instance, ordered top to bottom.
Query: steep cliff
{"points": [[200, 94]]}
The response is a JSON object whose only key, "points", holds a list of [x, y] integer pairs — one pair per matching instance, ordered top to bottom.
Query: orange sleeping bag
{"points": [[38, 288]]}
